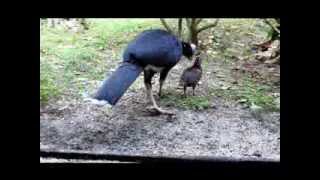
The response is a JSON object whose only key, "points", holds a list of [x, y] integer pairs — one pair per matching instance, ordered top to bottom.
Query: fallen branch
{"points": [[208, 26]]}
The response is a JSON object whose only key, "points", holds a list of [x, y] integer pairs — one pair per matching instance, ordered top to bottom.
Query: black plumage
{"points": [[152, 51], [191, 76]]}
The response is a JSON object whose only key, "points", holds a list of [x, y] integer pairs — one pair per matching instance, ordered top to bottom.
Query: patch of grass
{"points": [[116, 32], [78, 59], [48, 87], [249, 92], [227, 94], [258, 95], [189, 102]]}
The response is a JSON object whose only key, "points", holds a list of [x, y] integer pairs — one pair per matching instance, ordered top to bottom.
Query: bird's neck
{"points": [[197, 63]]}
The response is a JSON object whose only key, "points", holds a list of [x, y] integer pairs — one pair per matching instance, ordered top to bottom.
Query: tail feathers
{"points": [[117, 84]]}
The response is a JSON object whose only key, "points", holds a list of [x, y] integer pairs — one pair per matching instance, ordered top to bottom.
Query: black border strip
{"points": [[150, 159]]}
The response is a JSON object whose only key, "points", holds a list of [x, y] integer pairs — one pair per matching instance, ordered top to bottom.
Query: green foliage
{"points": [[270, 33]]}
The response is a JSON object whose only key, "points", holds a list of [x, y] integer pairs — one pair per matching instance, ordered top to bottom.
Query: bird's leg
{"points": [[163, 75], [147, 82], [160, 87], [193, 87], [184, 91], [150, 95], [154, 104]]}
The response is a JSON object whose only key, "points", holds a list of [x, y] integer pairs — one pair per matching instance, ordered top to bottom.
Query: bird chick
{"points": [[191, 76]]}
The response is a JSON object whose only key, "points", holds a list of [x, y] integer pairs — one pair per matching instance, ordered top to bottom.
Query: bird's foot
{"points": [[96, 102], [101, 104], [158, 110]]}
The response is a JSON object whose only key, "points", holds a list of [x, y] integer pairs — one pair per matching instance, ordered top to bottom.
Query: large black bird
{"points": [[151, 51]]}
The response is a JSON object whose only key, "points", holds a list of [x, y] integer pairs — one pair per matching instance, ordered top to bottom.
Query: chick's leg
{"points": [[193, 87]]}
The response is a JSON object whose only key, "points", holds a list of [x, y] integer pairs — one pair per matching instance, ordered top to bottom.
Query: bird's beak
{"points": [[193, 47], [194, 50]]}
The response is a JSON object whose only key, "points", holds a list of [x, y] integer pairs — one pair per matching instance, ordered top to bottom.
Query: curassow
{"points": [[151, 51], [191, 76]]}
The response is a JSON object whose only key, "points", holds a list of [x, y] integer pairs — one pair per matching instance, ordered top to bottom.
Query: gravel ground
{"points": [[225, 131]]}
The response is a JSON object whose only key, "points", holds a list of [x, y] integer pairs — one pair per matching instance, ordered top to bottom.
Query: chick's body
{"points": [[191, 76]]}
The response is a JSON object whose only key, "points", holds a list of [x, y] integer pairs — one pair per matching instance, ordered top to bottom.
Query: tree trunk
{"points": [[84, 23], [192, 26], [179, 27], [193, 34], [193, 37]]}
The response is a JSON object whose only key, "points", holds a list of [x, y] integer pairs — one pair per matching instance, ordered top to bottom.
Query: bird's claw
{"points": [[159, 110]]}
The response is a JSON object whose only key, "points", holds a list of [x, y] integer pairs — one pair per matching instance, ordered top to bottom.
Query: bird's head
{"points": [[188, 50], [197, 62]]}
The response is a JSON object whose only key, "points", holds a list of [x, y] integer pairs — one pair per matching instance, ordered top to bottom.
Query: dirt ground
{"points": [[226, 129]]}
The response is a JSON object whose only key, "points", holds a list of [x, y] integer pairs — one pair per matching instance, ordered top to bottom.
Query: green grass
{"points": [[117, 32], [48, 88], [249, 92], [257, 94], [189, 102]]}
